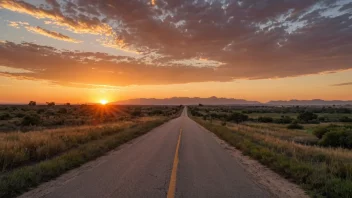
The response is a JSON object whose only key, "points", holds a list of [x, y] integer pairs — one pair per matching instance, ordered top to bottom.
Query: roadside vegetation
{"points": [[33, 117], [314, 154], [30, 157]]}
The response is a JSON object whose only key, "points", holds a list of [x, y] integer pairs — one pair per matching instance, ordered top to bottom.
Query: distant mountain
{"points": [[187, 101], [228, 101], [318, 102]]}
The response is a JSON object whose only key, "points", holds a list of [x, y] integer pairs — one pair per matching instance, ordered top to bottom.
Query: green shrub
{"points": [[5, 116], [237, 117], [307, 117], [31, 119], [265, 119], [345, 119], [283, 120], [295, 125], [320, 131], [338, 138]]}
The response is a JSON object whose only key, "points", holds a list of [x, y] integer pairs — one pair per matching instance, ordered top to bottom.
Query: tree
{"points": [[32, 103], [50, 103], [237, 117], [307, 117]]}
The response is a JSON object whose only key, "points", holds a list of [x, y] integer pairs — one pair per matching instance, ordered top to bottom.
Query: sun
{"points": [[103, 102]]}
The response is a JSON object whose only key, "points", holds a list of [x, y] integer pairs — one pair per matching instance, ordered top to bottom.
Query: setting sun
{"points": [[103, 102]]}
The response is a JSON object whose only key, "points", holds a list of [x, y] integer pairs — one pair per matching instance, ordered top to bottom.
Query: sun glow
{"points": [[103, 102]]}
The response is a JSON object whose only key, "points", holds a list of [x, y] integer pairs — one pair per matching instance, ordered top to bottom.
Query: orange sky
{"points": [[305, 87]]}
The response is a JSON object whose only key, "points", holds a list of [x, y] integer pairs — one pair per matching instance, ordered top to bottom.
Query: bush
{"points": [[62, 110], [39, 111], [136, 113], [5, 116], [237, 117], [307, 117], [32, 119], [265, 119], [345, 119], [283, 120], [295, 125], [320, 131], [334, 136], [338, 138]]}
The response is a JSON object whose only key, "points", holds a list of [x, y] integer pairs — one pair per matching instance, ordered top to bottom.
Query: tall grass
{"points": [[18, 149], [323, 172], [17, 181]]}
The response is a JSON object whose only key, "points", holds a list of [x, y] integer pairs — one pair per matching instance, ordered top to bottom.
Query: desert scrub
{"points": [[18, 149], [323, 172]]}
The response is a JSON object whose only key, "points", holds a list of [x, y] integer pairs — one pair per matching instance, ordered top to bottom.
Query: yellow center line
{"points": [[172, 185]]}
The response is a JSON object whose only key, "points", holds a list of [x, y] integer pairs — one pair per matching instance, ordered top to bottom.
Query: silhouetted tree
{"points": [[32, 103], [50, 103]]}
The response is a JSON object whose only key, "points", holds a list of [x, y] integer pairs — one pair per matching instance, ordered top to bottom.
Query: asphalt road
{"points": [[177, 159]]}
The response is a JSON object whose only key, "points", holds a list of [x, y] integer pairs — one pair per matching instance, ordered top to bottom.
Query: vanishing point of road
{"points": [[177, 159]]}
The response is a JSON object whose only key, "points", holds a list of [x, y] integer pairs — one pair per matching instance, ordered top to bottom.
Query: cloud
{"points": [[17, 24], [78, 24], [42, 31], [51, 34], [250, 39], [73, 67], [10, 70], [343, 84]]}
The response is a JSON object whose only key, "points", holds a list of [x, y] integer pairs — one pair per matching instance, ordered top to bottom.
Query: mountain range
{"points": [[226, 101]]}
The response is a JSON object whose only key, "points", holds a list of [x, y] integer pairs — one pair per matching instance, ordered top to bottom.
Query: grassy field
{"points": [[40, 117], [295, 154], [30, 158]]}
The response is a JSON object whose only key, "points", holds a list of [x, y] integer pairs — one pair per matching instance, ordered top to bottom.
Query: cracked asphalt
{"points": [[143, 168]]}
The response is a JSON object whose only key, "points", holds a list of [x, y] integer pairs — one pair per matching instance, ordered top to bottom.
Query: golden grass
{"points": [[270, 136], [20, 148], [323, 172]]}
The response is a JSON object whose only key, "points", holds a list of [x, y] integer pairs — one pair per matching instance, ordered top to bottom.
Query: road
{"points": [[177, 159]]}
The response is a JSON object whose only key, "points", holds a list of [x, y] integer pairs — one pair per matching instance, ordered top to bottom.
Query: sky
{"points": [[83, 51]]}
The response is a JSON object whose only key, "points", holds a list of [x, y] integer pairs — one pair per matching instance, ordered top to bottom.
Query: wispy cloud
{"points": [[17, 24], [83, 25], [42, 31], [51, 34], [12, 70], [342, 84]]}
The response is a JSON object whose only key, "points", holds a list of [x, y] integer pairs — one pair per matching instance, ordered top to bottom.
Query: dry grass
{"points": [[291, 147], [21, 148], [323, 172], [17, 181]]}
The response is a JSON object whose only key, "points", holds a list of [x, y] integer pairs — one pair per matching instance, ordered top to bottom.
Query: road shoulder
{"points": [[263, 176]]}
